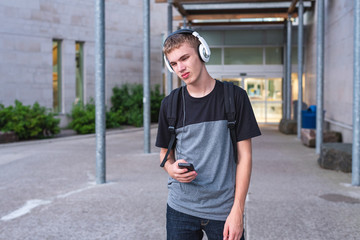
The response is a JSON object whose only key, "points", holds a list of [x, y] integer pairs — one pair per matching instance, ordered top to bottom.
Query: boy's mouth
{"points": [[185, 75]]}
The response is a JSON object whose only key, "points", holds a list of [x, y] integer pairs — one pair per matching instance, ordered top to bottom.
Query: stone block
{"points": [[287, 126], [332, 136], [6, 137], [308, 137], [336, 156]]}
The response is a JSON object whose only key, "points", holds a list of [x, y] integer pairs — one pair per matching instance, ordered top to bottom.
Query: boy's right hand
{"points": [[180, 174]]}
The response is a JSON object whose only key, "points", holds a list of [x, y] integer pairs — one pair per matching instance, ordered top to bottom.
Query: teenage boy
{"points": [[212, 197]]}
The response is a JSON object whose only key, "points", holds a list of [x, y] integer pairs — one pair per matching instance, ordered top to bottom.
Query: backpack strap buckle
{"points": [[231, 125], [171, 129]]}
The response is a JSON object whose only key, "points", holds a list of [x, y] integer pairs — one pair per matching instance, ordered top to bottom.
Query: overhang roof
{"points": [[215, 12]]}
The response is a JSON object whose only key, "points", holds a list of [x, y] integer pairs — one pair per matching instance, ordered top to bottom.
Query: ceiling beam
{"points": [[217, 1], [292, 6], [180, 8], [233, 16], [202, 24]]}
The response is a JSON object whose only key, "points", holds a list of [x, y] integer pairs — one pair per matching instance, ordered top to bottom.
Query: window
{"points": [[213, 37], [244, 37], [273, 55], [294, 55], [243, 56], [215, 58], [79, 63], [57, 76], [274, 89]]}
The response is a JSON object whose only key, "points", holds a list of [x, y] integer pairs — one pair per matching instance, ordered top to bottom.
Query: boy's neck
{"points": [[202, 87]]}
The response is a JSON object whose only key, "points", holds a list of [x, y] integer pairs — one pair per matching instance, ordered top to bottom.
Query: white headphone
{"points": [[204, 50]]}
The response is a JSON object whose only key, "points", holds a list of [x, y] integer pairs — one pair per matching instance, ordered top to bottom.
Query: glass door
{"points": [[238, 81], [255, 87], [265, 95], [274, 100]]}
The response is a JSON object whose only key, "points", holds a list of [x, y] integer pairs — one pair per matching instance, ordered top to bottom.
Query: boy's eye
{"points": [[185, 57]]}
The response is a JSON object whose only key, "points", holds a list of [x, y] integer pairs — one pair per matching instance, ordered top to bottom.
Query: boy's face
{"points": [[186, 63]]}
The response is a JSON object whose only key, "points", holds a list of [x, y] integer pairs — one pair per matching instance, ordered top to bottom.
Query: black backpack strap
{"points": [[229, 101], [171, 117]]}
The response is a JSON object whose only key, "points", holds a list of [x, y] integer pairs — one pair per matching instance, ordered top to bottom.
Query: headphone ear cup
{"points": [[204, 50], [205, 57], [168, 65]]}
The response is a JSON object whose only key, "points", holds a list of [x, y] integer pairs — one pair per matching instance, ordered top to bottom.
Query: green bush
{"points": [[156, 98], [129, 100], [127, 108], [4, 116], [83, 118], [114, 119], [28, 122]]}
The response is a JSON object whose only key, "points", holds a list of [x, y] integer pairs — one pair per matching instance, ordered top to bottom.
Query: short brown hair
{"points": [[176, 40]]}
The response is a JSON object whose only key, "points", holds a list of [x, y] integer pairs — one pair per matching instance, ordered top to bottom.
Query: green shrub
{"points": [[156, 98], [129, 99], [127, 108], [3, 116], [83, 118], [115, 119], [28, 122]]}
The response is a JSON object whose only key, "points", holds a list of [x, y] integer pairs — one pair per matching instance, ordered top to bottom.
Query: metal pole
{"points": [[184, 22], [300, 66], [288, 71], [169, 74], [319, 75], [146, 76], [284, 83], [100, 90], [356, 99]]}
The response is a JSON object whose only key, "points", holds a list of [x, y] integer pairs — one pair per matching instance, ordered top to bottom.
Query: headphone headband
{"points": [[180, 31]]}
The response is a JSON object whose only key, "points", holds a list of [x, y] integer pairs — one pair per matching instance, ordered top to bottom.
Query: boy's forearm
{"points": [[170, 158], [243, 173]]}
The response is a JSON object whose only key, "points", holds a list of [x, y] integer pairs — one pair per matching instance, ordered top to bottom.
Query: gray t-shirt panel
{"points": [[207, 146]]}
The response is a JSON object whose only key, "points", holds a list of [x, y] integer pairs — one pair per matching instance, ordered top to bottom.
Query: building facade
{"points": [[47, 50], [338, 64]]}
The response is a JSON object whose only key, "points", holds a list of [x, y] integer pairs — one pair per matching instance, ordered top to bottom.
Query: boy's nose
{"points": [[180, 67]]}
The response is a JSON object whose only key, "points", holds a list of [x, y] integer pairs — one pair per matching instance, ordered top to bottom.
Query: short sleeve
{"points": [[246, 124], [163, 136]]}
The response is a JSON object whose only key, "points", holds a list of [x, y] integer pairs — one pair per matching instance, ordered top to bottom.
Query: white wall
{"points": [[338, 64]]}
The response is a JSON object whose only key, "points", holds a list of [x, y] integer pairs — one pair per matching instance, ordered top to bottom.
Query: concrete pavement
{"points": [[48, 191], [291, 197]]}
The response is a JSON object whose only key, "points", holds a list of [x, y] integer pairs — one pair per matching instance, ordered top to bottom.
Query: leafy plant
{"points": [[156, 98], [129, 99], [127, 108], [83, 118], [115, 119], [28, 122]]}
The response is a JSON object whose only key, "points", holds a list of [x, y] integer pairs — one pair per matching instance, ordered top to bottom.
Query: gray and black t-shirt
{"points": [[203, 139]]}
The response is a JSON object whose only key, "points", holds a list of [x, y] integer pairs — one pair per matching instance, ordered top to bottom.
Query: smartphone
{"points": [[189, 166]]}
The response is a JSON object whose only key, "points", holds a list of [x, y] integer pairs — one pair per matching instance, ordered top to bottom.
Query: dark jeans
{"points": [[180, 226]]}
